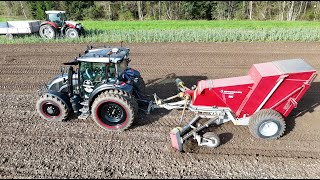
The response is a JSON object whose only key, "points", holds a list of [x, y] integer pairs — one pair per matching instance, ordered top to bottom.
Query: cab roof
{"points": [[54, 12], [117, 55]]}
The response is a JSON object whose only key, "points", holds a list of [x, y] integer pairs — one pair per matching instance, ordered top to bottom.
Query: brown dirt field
{"points": [[33, 148]]}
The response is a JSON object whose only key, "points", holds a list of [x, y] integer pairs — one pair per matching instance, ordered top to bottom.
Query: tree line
{"points": [[167, 10]]}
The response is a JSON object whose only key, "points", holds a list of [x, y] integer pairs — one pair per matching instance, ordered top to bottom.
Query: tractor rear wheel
{"points": [[47, 32], [72, 33], [129, 97], [51, 108], [112, 112], [267, 124]]}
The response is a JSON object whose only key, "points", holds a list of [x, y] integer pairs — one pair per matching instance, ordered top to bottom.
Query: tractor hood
{"points": [[71, 22], [59, 83]]}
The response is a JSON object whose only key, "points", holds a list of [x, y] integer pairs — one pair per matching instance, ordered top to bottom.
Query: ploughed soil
{"points": [[31, 147]]}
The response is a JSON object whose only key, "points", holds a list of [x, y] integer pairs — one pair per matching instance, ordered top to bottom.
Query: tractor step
{"points": [[85, 103], [84, 110], [83, 116]]}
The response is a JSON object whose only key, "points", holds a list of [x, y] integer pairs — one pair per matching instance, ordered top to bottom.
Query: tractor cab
{"points": [[58, 17], [103, 67]]}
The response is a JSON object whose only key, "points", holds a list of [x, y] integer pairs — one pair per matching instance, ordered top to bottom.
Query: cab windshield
{"points": [[57, 18]]}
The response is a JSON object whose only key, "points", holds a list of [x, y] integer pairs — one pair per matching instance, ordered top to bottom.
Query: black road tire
{"points": [[50, 28], [72, 33], [129, 97], [118, 100], [56, 103], [267, 117], [213, 136]]}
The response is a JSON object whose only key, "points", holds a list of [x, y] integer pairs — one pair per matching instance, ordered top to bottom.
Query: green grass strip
{"points": [[183, 35]]}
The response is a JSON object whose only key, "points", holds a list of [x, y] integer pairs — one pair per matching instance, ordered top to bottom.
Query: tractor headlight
{"points": [[78, 26]]}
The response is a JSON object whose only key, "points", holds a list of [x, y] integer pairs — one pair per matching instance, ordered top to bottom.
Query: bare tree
{"points": [[8, 7], [159, 10], [250, 10], [282, 11], [169, 12], [24, 13], [140, 13], [297, 14], [289, 17]]}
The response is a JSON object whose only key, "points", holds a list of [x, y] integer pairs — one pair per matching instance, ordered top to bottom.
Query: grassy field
{"points": [[199, 24], [188, 31]]}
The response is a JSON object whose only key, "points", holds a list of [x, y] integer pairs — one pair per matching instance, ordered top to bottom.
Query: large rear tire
{"points": [[47, 32], [129, 97], [51, 108], [112, 111], [267, 124]]}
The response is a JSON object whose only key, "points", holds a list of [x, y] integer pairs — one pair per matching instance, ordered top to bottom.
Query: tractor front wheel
{"points": [[47, 32], [72, 33], [51, 108], [112, 112], [267, 124]]}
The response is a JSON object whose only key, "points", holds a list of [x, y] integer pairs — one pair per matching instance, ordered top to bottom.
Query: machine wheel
{"points": [[47, 32], [72, 33], [9, 36], [51, 108], [112, 111], [267, 124], [213, 139]]}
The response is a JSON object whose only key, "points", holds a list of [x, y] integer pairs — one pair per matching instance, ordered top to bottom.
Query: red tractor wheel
{"points": [[47, 32]]}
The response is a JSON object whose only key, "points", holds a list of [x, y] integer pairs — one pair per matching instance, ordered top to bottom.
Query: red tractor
{"points": [[56, 24]]}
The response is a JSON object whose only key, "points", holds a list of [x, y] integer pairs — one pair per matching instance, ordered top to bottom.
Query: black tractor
{"points": [[102, 84]]}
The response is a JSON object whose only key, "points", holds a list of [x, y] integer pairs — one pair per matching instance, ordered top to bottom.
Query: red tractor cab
{"points": [[56, 24]]}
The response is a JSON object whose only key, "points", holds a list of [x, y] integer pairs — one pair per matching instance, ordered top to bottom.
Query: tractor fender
{"points": [[51, 23], [129, 74], [103, 87], [63, 97]]}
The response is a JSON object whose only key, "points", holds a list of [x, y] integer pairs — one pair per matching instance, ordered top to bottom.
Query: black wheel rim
{"points": [[50, 109], [112, 113]]}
